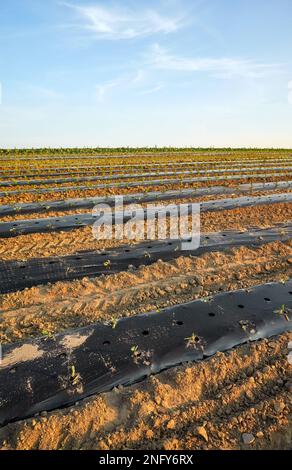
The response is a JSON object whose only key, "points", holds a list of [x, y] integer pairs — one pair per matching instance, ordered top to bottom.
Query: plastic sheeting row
{"points": [[105, 169], [121, 176], [143, 183], [89, 203], [77, 221], [17, 275], [52, 372]]}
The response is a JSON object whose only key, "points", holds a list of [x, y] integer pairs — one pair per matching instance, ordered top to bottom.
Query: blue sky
{"points": [[135, 73]]}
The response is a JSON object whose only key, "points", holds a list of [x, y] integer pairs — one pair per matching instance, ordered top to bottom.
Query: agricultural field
{"points": [[124, 343]]}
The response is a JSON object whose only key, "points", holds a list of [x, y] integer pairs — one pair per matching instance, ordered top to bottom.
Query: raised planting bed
{"points": [[121, 176], [143, 183], [89, 203], [76, 221], [17, 275], [55, 371]]}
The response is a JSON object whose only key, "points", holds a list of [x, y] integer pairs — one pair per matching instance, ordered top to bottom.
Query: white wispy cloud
{"points": [[119, 22], [224, 67], [139, 77], [135, 80], [123, 81], [103, 88], [154, 89], [43, 92]]}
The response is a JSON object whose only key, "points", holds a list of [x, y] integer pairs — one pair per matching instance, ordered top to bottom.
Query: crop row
{"points": [[132, 159], [61, 166], [105, 169], [121, 176], [143, 183], [89, 203], [77, 221], [17, 275], [59, 375]]}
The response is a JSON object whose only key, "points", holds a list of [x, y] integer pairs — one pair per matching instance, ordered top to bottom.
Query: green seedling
{"points": [[282, 232], [283, 311], [114, 322], [47, 333], [192, 340], [135, 353], [74, 376]]}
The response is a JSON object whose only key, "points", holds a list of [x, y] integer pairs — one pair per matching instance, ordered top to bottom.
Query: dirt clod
{"points": [[248, 438]]}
